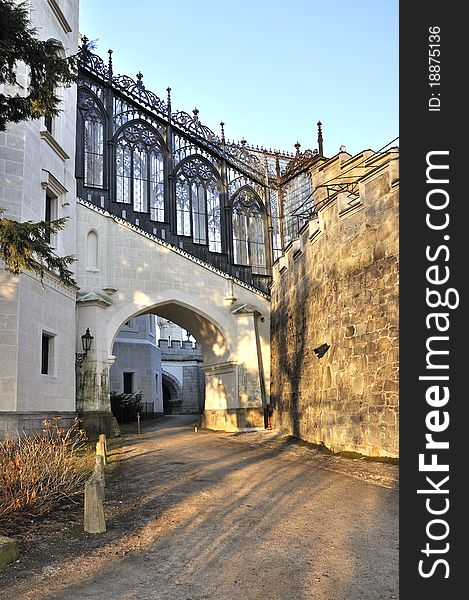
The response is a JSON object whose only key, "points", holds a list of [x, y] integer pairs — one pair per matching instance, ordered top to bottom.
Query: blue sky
{"points": [[270, 70]]}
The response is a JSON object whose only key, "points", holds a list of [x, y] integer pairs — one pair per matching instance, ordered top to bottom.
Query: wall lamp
{"points": [[86, 340], [321, 350]]}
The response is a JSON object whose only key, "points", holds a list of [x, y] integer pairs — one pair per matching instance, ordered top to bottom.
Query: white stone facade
{"points": [[35, 163], [121, 274], [137, 274], [138, 355]]}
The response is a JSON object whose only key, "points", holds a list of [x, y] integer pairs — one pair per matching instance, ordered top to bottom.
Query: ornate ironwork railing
{"points": [[118, 105], [237, 153]]}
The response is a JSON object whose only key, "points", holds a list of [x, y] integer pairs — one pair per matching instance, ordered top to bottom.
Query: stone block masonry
{"points": [[338, 284], [9, 550]]}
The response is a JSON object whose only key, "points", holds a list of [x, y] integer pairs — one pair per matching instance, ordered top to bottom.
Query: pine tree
{"points": [[48, 67], [25, 245]]}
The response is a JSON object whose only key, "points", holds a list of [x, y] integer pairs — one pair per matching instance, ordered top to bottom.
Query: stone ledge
{"points": [[234, 419], [13, 423], [9, 550]]}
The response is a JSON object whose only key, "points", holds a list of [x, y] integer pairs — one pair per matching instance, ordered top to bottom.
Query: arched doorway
{"points": [[229, 320], [172, 394]]}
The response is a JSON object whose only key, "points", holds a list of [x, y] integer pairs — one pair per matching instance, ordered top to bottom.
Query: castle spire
{"points": [[320, 140]]}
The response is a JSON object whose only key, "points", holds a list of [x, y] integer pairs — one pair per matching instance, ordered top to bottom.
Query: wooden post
{"points": [[138, 423], [102, 438], [100, 450], [98, 473], [94, 511]]}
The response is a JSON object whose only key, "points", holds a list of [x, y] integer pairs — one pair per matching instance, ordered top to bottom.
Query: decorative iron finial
{"points": [[84, 42], [109, 64], [139, 79], [168, 101], [195, 113], [222, 125], [320, 140], [243, 142], [297, 146]]}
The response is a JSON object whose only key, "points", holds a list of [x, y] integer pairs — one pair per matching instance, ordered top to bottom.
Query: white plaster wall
{"points": [[27, 160], [9, 292], [50, 309], [144, 360]]}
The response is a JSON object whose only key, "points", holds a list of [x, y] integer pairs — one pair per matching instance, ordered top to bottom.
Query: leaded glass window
{"points": [[93, 139], [94, 149], [140, 170], [298, 199], [198, 203], [248, 231]]}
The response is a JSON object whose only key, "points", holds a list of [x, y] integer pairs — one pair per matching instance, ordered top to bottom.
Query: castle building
{"points": [[282, 265], [38, 336], [137, 366], [182, 376]]}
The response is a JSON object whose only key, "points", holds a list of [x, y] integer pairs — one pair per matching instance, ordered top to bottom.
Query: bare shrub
{"points": [[38, 472]]}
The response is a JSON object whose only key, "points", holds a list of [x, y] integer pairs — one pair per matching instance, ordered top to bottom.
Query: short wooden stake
{"points": [[102, 438], [100, 450], [98, 472], [93, 521]]}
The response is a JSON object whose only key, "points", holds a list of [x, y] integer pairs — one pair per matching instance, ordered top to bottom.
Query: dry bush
{"points": [[38, 472]]}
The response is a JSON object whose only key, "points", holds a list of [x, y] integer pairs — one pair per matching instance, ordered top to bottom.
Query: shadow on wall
{"points": [[289, 336], [212, 342]]}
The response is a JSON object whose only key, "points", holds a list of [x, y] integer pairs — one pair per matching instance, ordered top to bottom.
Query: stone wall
{"points": [[338, 284], [136, 352], [181, 360], [15, 424]]}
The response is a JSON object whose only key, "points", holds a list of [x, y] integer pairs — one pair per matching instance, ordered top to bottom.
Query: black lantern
{"points": [[86, 340], [321, 350]]}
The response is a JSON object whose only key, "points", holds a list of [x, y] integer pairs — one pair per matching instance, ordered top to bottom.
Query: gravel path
{"points": [[223, 517]]}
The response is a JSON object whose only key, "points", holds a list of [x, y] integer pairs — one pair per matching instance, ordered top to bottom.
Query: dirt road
{"points": [[218, 516]]}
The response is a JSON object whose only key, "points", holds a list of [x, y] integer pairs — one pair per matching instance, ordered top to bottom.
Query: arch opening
{"points": [[163, 351]]}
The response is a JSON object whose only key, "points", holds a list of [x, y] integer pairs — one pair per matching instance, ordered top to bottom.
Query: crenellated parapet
{"points": [[343, 186]]}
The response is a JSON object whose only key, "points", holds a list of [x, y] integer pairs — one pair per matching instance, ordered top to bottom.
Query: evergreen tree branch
{"points": [[24, 246]]}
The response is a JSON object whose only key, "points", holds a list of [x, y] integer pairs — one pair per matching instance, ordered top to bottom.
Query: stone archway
{"points": [[229, 319], [172, 393]]}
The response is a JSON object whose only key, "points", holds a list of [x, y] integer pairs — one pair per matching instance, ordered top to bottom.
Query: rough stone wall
{"points": [[338, 284], [182, 360], [14, 424]]}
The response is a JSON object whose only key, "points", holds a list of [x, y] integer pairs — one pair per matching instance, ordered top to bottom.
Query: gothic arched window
{"points": [[93, 139], [140, 170], [198, 203], [248, 231]]}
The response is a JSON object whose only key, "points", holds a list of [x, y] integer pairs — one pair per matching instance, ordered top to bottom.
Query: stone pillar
{"points": [[250, 372], [235, 392], [93, 393], [220, 395]]}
